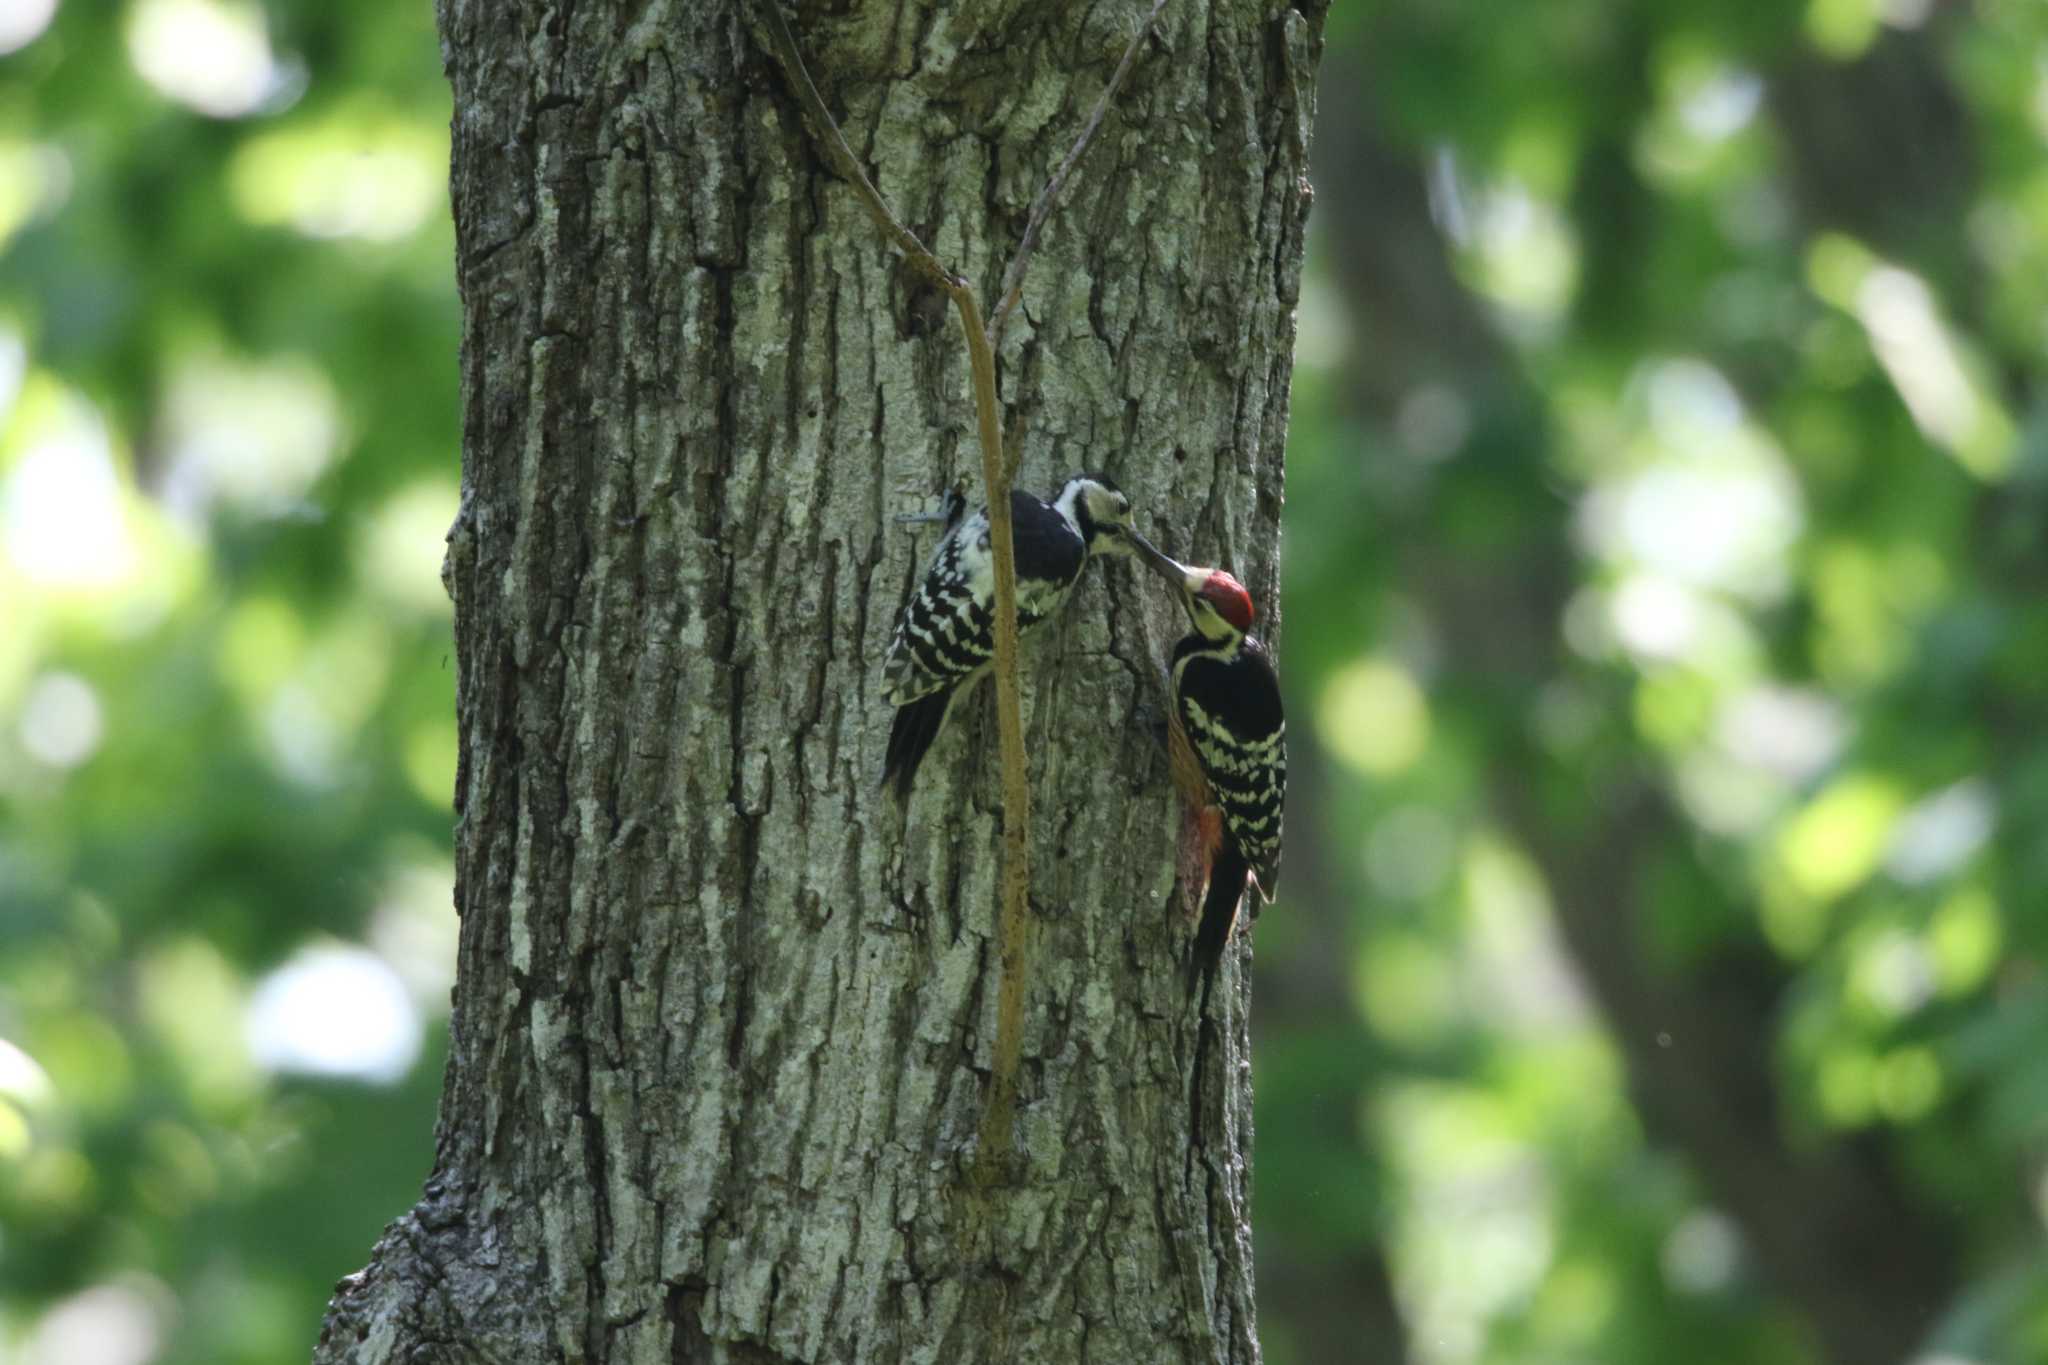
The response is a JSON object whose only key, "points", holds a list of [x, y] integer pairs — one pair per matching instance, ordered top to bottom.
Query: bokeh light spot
{"points": [[23, 21], [1842, 29], [210, 56], [1721, 104], [358, 173], [35, 180], [1525, 255], [1932, 373], [252, 435], [62, 516], [400, 550], [1655, 617], [260, 646], [1374, 717], [61, 720], [1790, 733], [431, 752], [1941, 833], [1833, 844], [1409, 852], [415, 927], [1966, 937], [1892, 973], [1406, 989], [191, 997], [335, 1011], [88, 1061], [21, 1079], [1845, 1086], [14, 1134], [54, 1182], [1702, 1253], [1576, 1300], [112, 1324]]}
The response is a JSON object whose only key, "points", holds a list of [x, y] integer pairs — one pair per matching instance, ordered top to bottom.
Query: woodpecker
{"points": [[945, 638], [1227, 748]]}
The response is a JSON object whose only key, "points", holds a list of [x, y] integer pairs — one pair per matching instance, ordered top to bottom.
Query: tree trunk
{"points": [[723, 1020]]}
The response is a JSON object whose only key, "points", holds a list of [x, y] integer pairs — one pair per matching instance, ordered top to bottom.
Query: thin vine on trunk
{"points": [[998, 471]]}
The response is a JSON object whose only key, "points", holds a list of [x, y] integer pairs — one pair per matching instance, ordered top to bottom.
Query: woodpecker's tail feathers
{"points": [[910, 735], [1227, 878]]}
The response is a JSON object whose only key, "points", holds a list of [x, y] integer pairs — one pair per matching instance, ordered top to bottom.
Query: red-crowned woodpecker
{"points": [[945, 638], [1227, 743]]}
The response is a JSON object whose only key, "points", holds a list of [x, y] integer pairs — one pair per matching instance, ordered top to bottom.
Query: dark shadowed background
{"points": [[1657, 977]]}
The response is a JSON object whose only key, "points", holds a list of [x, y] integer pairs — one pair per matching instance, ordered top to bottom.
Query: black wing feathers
{"points": [[1047, 547]]}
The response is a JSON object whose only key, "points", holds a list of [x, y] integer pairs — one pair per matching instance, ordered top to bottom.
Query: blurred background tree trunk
{"points": [[723, 1021], [1868, 1262]]}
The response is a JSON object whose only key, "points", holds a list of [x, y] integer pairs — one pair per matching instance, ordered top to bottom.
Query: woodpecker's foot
{"points": [[952, 503]]}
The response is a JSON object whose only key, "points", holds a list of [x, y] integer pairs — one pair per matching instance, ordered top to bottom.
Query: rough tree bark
{"points": [[722, 1022]]}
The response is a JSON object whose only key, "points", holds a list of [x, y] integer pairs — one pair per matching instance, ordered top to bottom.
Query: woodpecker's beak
{"points": [[1162, 564]]}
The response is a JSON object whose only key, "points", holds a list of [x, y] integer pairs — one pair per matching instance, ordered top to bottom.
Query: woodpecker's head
{"points": [[1102, 514], [1216, 602]]}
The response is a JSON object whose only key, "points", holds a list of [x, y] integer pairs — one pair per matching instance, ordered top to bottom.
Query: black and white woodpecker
{"points": [[945, 639], [1227, 746]]}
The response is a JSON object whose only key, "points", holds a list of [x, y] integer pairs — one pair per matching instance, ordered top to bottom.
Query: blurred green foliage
{"points": [[1682, 363], [1682, 433], [228, 454]]}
